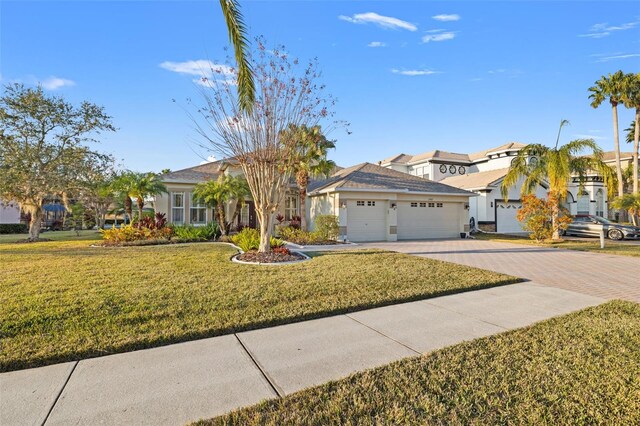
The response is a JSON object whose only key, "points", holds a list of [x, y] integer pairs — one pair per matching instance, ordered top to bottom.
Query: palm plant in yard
{"points": [[612, 88], [631, 99], [307, 156], [556, 166], [138, 186], [217, 193], [629, 203]]}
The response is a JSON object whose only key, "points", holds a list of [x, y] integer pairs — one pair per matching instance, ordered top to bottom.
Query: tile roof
{"points": [[482, 154], [441, 155], [611, 155], [450, 156], [198, 173], [367, 176], [479, 180]]}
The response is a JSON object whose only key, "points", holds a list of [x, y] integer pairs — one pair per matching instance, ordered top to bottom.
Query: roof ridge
{"points": [[356, 168]]}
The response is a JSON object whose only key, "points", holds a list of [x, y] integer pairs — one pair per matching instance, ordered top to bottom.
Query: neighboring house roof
{"points": [[506, 147], [451, 156], [611, 156], [370, 177], [479, 180]]}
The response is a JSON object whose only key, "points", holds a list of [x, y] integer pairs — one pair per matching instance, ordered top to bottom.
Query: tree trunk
{"points": [[636, 142], [616, 145], [140, 207], [128, 209], [303, 209], [555, 211], [236, 212], [265, 217], [222, 219], [36, 222]]}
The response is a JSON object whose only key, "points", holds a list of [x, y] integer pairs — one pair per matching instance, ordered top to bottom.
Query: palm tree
{"points": [[238, 37], [611, 87], [631, 99], [307, 156], [556, 166], [145, 185], [122, 186], [216, 194], [629, 203]]}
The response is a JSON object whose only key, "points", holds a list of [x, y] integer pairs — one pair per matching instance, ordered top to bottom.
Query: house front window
{"points": [[583, 203], [600, 203], [177, 207], [291, 207], [197, 211]]}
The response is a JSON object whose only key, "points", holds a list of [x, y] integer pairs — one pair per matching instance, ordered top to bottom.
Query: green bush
{"points": [[327, 227], [13, 228], [129, 233], [192, 233], [298, 236], [249, 239]]}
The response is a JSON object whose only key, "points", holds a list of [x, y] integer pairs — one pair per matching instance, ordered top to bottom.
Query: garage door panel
{"points": [[427, 220], [506, 220], [367, 222]]}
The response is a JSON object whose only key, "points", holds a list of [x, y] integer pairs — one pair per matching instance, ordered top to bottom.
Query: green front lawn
{"points": [[610, 247], [65, 300], [582, 368]]}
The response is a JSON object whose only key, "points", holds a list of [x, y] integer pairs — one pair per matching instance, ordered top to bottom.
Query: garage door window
{"points": [[360, 203], [371, 203], [414, 204], [423, 204], [432, 204], [438, 204]]}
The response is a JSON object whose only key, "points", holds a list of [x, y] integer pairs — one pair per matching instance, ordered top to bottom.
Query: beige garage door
{"points": [[366, 220], [423, 220]]}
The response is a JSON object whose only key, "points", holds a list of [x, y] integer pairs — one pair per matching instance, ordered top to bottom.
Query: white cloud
{"points": [[446, 18], [383, 21], [604, 29], [438, 35], [377, 44], [614, 56], [200, 67], [414, 73], [54, 83], [587, 136], [209, 159]]}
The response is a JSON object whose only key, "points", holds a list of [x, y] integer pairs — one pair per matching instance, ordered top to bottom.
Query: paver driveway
{"points": [[602, 275]]}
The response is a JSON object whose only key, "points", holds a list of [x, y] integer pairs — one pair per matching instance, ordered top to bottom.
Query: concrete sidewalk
{"points": [[184, 382]]}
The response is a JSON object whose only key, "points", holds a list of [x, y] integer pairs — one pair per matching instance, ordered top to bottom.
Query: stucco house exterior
{"points": [[482, 173], [372, 203], [9, 212]]}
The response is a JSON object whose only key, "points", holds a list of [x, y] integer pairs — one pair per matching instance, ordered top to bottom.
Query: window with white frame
{"points": [[360, 203], [371, 203], [583, 203], [600, 203], [414, 204], [423, 204], [432, 204], [439, 205], [177, 207], [290, 207], [197, 211], [244, 214]]}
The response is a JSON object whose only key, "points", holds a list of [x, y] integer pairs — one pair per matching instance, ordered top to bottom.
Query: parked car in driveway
{"points": [[590, 226]]}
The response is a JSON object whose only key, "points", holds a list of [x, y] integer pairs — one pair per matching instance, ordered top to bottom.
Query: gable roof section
{"points": [[505, 147], [441, 155], [611, 156], [400, 158], [202, 172], [370, 177], [479, 180]]}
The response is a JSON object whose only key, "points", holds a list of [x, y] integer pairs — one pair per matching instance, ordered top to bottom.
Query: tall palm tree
{"points": [[238, 37], [611, 87], [631, 99], [307, 156], [556, 166], [122, 186], [216, 194], [629, 203]]}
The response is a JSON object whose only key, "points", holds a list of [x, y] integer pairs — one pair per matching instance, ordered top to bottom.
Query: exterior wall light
{"points": [[343, 205], [394, 206]]}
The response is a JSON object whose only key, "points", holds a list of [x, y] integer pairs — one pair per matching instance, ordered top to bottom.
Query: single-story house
{"points": [[482, 173], [372, 203]]}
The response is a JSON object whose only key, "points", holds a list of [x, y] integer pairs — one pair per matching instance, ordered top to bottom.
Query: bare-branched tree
{"points": [[287, 93]]}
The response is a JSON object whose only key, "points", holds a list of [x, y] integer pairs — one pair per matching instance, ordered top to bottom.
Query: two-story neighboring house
{"points": [[482, 173]]}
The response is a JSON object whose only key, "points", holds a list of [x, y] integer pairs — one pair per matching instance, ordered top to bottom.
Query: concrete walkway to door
{"points": [[601, 275]]}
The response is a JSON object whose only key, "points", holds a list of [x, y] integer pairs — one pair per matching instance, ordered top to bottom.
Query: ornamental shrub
{"points": [[536, 217], [327, 227], [13, 228], [249, 239]]}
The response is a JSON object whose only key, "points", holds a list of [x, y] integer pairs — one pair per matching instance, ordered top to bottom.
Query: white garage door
{"points": [[367, 220], [420, 220], [506, 221]]}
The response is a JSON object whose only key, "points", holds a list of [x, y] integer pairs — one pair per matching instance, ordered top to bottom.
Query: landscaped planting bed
{"points": [[65, 300], [582, 368]]}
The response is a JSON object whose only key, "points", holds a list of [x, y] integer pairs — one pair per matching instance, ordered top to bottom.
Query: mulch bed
{"points": [[38, 240], [271, 257]]}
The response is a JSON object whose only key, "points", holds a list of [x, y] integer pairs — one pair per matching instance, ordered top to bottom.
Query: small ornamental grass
{"points": [[581, 368]]}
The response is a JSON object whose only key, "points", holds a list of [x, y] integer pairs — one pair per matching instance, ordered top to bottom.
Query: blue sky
{"points": [[409, 76]]}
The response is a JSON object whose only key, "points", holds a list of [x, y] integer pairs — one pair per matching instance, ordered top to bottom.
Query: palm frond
{"points": [[238, 37]]}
